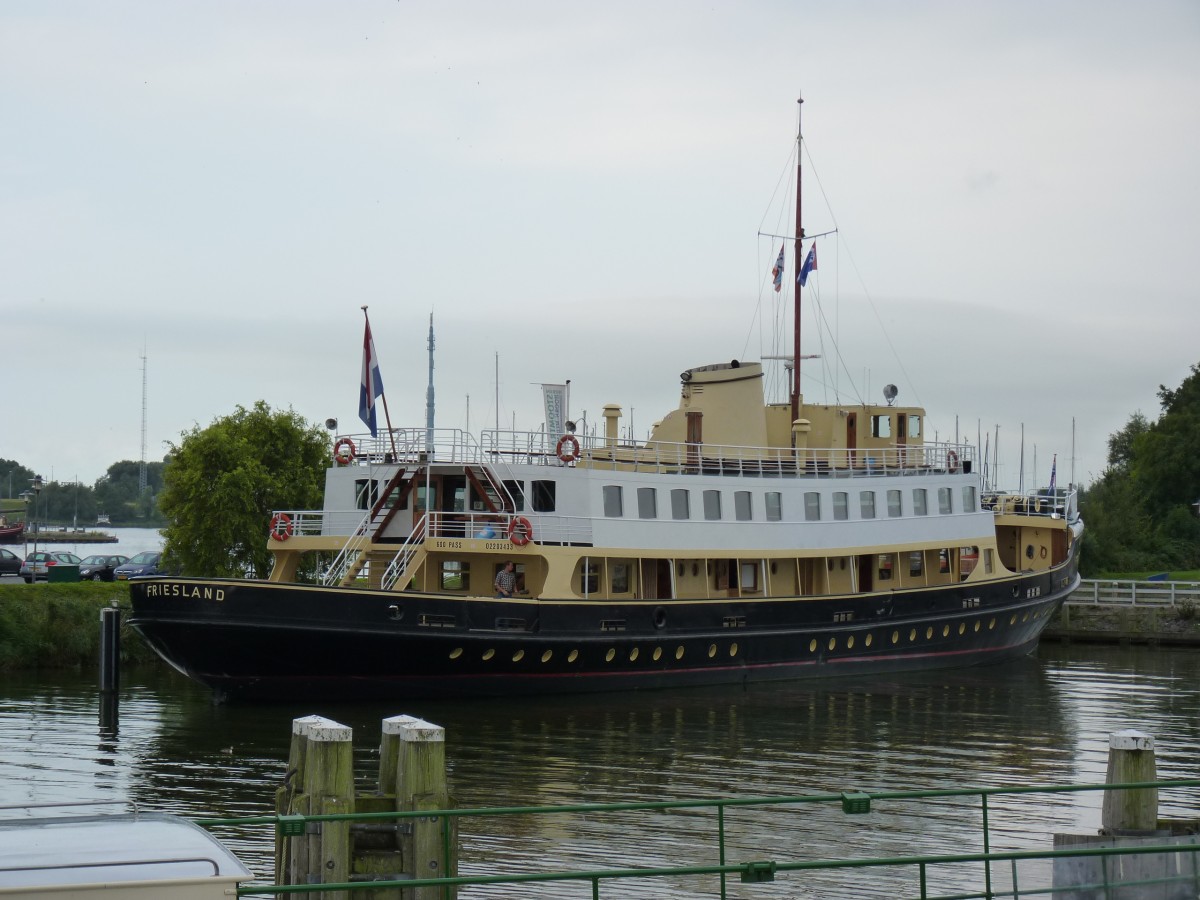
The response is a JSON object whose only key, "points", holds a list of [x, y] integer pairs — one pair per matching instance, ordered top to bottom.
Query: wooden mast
{"points": [[799, 263]]}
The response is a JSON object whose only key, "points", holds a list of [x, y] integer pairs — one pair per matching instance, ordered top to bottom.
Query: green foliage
{"points": [[222, 483], [1141, 516], [58, 625]]}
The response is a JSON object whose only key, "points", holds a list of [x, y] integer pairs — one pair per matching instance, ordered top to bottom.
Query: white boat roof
{"points": [[68, 850]]}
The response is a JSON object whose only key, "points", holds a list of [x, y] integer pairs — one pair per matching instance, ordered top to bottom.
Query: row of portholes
{"points": [[929, 632], [634, 654]]}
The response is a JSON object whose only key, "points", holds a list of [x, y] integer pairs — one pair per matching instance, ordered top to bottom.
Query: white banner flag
{"points": [[555, 398]]}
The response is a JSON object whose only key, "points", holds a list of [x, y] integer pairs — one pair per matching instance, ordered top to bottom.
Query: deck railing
{"points": [[973, 869]]}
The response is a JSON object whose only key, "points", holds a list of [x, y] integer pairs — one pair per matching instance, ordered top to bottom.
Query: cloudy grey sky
{"points": [[576, 190]]}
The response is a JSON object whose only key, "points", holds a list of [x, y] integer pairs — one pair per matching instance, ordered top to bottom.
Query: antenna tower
{"points": [[142, 467]]}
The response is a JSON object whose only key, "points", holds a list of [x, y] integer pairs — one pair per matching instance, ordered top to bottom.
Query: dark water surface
{"points": [[1043, 720]]}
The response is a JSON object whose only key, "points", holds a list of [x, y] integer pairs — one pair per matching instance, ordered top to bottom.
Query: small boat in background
{"points": [[11, 534]]}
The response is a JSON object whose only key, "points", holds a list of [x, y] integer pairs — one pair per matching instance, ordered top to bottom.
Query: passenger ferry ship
{"points": [[744, 540]]}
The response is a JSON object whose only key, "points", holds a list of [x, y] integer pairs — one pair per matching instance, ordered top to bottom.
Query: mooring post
{"points": [[110, 648], [1130, 761], [420, 782]]}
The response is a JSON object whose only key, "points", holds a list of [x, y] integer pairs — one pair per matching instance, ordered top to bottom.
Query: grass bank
{"points": [[55, 626]]}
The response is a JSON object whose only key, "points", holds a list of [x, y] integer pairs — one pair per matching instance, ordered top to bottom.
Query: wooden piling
{"points": [[1130, 761]]}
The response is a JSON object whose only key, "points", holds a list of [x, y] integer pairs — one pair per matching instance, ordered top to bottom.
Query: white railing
{"points": [[500, 448], [1095, 592]]}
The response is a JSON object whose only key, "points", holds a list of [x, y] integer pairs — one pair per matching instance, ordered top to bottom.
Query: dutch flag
{"points": [[372, 383]]}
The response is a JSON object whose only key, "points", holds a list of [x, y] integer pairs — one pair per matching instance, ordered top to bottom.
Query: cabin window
{"points": [[881, 426], [914, 427], [516, 490], [366, 492], [543, 495], [647, 498], [944, 498], [968, 499], [458, 501], [420, 503], [712, 504], [866, 504], [894, 504], [841, 505], [774, 506], [812, 506], [613, 507], [681, 507], [919, 507], [742, 509], [968, 557], [987, 561], [916, 563], [885, 566], [455, 575], [589, 576], [749, 576], [620, 578]]}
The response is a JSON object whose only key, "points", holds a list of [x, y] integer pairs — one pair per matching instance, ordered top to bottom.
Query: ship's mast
{"points": [[799, 263]]}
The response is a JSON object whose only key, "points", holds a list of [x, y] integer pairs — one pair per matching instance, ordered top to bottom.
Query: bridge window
{"points": [[881, 426], [914, 427], [516, 490], [366, 493], [543, 495], [647, 498], [944, 501], [712, 504], [866, 504], [894, 504], [841, 505], [741, 506], [774, 506], [812, 506], [681, 507], [919, 507], [613, 508]]}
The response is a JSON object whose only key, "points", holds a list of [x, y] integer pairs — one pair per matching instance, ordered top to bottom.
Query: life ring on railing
{"points": [[568, 448], [343, 451], [952, 461], [281, 526], [520, 532]]}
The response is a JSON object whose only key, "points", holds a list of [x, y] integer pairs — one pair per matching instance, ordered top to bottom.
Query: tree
{"points": [[221, 484]]}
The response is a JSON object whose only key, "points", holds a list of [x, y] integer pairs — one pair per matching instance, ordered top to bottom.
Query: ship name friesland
{"points": [[189, 591]]}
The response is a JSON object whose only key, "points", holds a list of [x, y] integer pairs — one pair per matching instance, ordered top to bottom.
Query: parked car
{"points": [[148, 562], [10, 563], [38, 564], [99, 567]]}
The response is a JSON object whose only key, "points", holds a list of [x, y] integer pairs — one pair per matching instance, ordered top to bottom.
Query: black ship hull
{"points": [[267, 641]]}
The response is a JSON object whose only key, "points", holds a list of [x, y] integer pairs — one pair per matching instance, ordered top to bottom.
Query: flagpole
{"points": [[799, 263], [383, 396]]}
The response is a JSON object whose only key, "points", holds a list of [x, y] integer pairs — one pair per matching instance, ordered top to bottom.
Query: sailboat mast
{"points": [[799, 263]]}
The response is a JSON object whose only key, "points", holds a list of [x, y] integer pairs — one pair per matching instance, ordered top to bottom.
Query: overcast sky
{"points": [[576, 191]]}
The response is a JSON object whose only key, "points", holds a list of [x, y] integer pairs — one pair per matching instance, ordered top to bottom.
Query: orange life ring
{"points": [[568, 448], [343, 451], [952, 461], [281, 526], [520, 532]]}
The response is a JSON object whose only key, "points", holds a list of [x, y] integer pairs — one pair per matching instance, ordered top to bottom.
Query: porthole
{"points": [[1025, 618], [1013, 620], [991, 624], [977, 625], [962, 627], [945, 631], [929, 632], [912, 635], [895, 637], [850, 642], [867, 642], [833, 643], [812, 646], [733, 649], [712, 650], [679, 652], [456, 653], [657, 653], [488, 654], [633, 654], [610, 655], [518, 656], [546, 656], [572, 656]]}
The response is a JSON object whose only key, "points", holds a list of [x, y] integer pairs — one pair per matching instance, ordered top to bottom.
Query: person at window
{"points": [[506, 581]]}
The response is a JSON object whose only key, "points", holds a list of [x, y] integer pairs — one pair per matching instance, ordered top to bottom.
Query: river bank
{"points": [[1106, 624]]}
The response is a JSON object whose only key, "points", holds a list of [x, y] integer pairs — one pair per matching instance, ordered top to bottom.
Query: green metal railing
{"points": [[858, 803]]}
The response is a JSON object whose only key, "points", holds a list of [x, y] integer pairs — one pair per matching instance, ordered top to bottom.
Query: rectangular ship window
{"points": [[881, 426], [516, 490], [543, 496], [647, 498], [968, 499], [944, 501], [680, 504], [866, 504], [893, 504], [712, 505], [741, 506], [774, 506], [812, 506], [613, 507], [919, 508], [841, 509], [455, 575]]}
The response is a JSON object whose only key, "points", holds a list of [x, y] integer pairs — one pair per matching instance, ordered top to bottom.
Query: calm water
{"points": [[129, 541], [1043, 720]]}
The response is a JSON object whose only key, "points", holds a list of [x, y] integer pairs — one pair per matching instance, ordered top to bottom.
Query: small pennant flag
{"points": [[810, 264], [778, 271]]}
